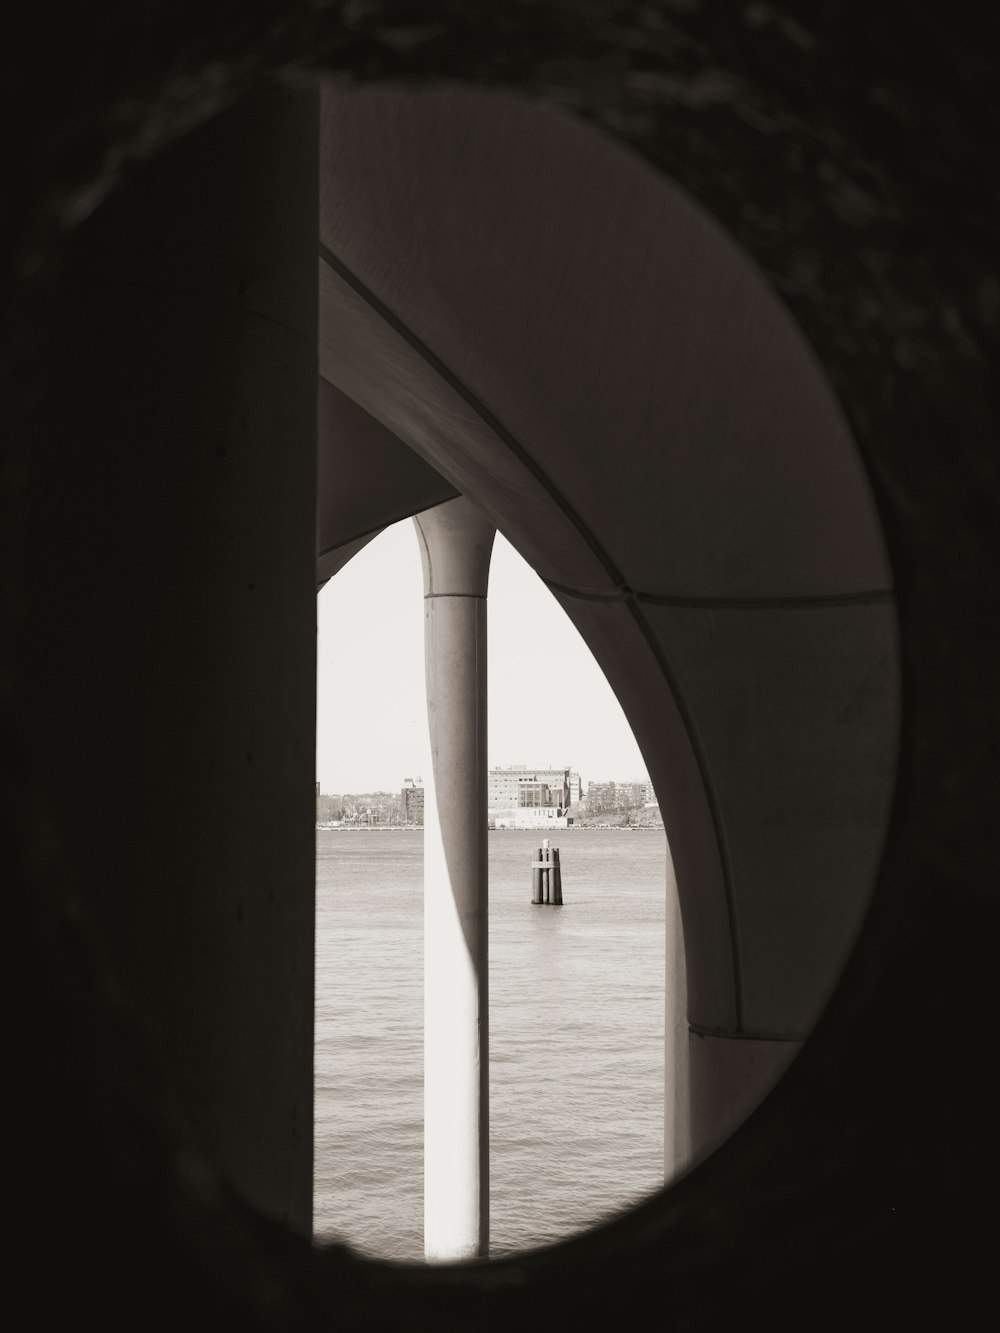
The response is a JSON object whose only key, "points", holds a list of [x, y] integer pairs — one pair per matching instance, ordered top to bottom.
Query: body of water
{"points": [[576, 1036]]}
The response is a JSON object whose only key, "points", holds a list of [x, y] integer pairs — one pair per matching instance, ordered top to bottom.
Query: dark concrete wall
{"points": [[168, 665]]}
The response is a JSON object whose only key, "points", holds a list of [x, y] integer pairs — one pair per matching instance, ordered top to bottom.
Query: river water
{"points": [[576, 1036]]}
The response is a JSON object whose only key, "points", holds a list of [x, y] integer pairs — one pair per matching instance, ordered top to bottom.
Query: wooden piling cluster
{"points": [[546, 876]]}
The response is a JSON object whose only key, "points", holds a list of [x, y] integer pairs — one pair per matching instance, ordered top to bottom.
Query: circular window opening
{"points": [[565, 331]]}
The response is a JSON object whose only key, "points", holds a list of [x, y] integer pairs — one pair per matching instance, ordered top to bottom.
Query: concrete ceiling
{"points": [[561, 334], [376, 481]]}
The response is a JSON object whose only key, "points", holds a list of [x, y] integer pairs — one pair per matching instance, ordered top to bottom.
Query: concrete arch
{"points": [[569, 340]]}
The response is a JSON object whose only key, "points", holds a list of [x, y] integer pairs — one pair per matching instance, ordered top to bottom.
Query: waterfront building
{"points": [[518, 787], [517, 797], [523, 797], [618, 797], [411, 801], [540, 817]]}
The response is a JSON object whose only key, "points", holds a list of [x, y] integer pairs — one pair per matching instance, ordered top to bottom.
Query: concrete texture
{"points": [[848, 151], [613, 329], [617, 386], [366, 480], [456, 541], [170, 657], [728, 1078]]}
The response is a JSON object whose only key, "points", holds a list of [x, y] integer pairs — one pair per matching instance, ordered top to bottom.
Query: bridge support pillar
{"points": [[456, 542]]}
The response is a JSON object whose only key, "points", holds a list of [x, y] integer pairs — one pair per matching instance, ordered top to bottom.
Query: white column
{"points": [[456, 541]]}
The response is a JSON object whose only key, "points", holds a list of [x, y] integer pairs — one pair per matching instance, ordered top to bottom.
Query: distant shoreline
{"points": [[419, 828]]}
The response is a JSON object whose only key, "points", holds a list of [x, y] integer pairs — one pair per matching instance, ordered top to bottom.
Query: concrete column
{"points": [[456, 541], [169, 659], [676, 1091]]}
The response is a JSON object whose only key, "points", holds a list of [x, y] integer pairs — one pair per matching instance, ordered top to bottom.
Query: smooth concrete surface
{"points": [[596, 309], [575, 344], [374, 363], [366, 480], [456, 540], [333, 560], [172, 627], [797, 713], [729, 1076], [676, 1089]]}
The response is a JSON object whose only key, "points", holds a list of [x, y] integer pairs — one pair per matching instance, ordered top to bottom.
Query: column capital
{"points": [[456, 542]]}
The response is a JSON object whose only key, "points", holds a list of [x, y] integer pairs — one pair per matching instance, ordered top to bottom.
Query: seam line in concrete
{"points": [[477, 596], [817, 601], [794, 603], [728, 1034]]}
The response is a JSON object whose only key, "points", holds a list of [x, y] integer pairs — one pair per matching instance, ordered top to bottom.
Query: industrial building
{"points": [[517, 797], [523, 797], [411, 802]]}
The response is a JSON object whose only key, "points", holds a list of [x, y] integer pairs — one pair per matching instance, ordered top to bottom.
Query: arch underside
{"points": [[513, 308]]}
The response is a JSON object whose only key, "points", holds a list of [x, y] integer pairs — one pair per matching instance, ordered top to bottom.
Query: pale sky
{"points": [[371, 716]]}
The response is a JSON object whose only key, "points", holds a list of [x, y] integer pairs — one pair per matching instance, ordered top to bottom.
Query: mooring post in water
{"points": [[556, 875], [546, 876], [536, 878]]}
